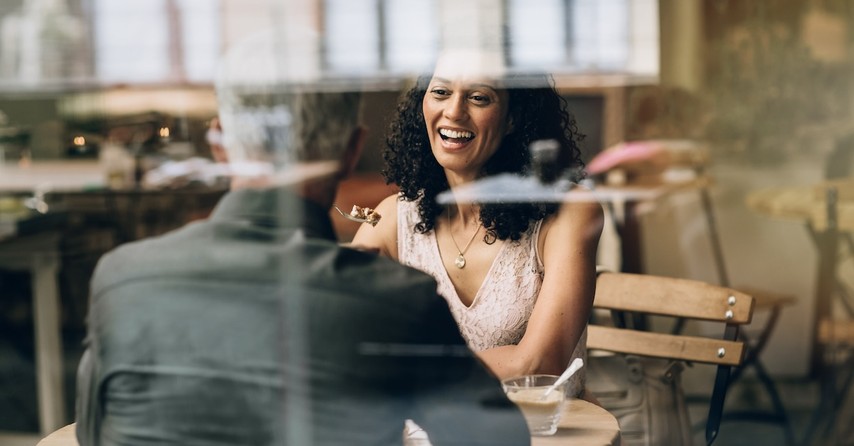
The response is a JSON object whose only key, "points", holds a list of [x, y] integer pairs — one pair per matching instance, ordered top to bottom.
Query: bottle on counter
{"points": [[118, 165]]}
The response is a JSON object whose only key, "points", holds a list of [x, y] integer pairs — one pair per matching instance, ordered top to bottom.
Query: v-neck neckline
{"points": [[447, 277]]}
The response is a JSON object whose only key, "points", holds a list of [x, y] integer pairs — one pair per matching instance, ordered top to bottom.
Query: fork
{"points": [[350, 217]]}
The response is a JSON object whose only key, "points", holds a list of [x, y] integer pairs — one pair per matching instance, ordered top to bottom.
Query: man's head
{"points": [[275, 125]]}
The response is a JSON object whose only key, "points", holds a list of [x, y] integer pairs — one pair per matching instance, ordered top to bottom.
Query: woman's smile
{"points": [[455, 139]]}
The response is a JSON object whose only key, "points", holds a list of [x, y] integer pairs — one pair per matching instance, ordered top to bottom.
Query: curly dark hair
{"points": [[537, 112]]}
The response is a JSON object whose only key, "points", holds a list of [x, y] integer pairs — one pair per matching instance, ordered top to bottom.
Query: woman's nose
{"points": [[455, 108]]}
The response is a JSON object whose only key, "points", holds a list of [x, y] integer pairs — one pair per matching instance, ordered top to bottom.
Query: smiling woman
{"points": [[518, 277]]}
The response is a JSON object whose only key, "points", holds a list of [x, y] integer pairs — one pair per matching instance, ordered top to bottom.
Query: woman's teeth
{"points": [[455, 134]]}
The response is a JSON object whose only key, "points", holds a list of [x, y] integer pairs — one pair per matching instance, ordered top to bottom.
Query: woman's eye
{"points": [[439, 92], [479, 98]]}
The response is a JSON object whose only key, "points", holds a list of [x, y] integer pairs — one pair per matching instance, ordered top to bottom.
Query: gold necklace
{"points": [[460, 261]]}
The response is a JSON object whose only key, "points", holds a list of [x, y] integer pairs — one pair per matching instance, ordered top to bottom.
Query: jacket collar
{"points": [[275, 208]]}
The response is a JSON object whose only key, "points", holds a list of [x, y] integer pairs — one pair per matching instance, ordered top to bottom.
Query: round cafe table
{"points": [[807, 204], [582, 424], [64, 436]]}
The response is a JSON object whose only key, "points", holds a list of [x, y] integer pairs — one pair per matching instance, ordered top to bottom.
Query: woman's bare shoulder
{"points": [[575, 215], [577, 224], [383, 236]]}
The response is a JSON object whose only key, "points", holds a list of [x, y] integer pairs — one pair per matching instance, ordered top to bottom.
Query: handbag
{"points": [[644, 394]]}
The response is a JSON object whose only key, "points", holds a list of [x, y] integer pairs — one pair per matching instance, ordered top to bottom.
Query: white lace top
{"points": [[500, 310]]}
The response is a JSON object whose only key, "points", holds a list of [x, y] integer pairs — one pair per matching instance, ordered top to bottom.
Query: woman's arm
{"points": [[383, 236], [568, 243]]}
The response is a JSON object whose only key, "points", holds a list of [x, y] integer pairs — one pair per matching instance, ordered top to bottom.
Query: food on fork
{"points": [[367, 214]]}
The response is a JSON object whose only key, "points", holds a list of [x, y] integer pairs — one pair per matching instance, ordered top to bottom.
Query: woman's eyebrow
{"points": [[472, 85], [481, 85]]}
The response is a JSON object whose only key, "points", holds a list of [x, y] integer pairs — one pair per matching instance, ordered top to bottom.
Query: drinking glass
{"points": [[542, 413]]}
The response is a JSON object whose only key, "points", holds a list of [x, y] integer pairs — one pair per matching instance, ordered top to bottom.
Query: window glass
{"points": [[200, 30], [537, 32], [599, 34], [583, 35], [352, 38], [131, 41], [154, 41], [410, 44], [644, 53]]}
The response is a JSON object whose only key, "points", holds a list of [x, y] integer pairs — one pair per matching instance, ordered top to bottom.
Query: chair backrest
{"points": [[631, 298]]}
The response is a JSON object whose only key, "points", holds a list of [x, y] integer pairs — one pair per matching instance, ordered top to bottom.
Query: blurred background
{"points": [[104, 108]]}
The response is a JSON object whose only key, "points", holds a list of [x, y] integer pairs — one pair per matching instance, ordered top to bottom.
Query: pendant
{"points": [[460, 261]]}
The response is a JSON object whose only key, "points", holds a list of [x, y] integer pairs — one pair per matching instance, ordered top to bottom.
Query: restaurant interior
{"points": [[743, 111]]}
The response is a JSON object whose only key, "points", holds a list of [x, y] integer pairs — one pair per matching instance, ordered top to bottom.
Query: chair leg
{"points": [[839, 395], [832, 397], [846, 402], [716, 405], [778, 414], [713, 422]]}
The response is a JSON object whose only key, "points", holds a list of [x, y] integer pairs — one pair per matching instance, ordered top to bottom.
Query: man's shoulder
{"points": [[146, 256], [375, 271], [360, 274]]}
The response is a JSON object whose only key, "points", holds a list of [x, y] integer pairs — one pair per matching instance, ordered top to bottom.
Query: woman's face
{"points": [[466, 116]]}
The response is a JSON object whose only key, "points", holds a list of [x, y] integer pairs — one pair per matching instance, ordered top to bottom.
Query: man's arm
{"points": [[87, 400]]}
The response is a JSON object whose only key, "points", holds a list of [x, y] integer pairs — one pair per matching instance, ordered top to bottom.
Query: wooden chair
{"points": [[641, 296]]}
